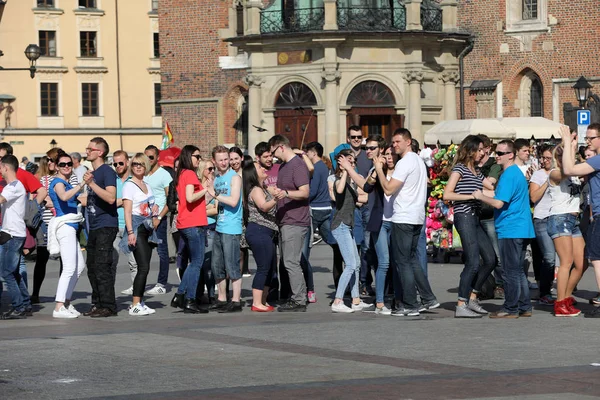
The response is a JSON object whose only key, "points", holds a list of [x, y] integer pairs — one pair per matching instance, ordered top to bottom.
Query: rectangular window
{"points": [[45, 3], [87, 3], [154, 5], [530, 9], [239, 13], [47, 43], [87, 44], [156, 45], [157, 97], [49, 99], [89, 99]]}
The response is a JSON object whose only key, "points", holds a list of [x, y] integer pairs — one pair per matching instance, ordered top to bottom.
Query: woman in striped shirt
{"points": [[464, 180]]}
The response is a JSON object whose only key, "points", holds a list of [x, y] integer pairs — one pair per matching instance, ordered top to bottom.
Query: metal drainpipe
{"points": [[461, 71], [118, 76]]}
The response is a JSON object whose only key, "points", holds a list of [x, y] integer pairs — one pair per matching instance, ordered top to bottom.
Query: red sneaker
{"points": [[562, 309]]}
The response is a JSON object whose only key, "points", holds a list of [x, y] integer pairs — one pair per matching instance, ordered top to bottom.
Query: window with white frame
{"points": [[530, 9], [526, 15], [47, 43], [88, 44]]}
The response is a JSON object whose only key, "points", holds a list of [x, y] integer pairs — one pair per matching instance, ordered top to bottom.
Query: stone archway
{"points": [[530, 97]]}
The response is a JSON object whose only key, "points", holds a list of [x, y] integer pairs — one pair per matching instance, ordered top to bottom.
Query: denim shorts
{"points": [[563, 225], [226, 256]]}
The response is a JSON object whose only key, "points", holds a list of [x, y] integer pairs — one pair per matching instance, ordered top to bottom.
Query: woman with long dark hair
{"points": [[464, 180], [191, 223], [563, 228], [261, 232]]}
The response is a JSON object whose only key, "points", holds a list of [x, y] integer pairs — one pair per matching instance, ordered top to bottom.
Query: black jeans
{"points": [[405, 239], [476, 244], [264, 249], [143, 255], [99, 263]]}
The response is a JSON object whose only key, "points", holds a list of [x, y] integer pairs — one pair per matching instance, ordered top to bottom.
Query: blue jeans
{"points": [[489, 227], [405, 239], [195, 241], [345, 241], [262, 242], [475, 244], [546, 246], [382, 248], [422, 250], [163, 252], [10, 255], [226, 256], [516, 287]]}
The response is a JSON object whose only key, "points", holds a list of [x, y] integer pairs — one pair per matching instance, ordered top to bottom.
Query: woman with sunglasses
{"points": [[47, 173], [464, 180], [64, 196], [540, 197], [139, 207], [191, 223], [563, 228], [261, 232]]}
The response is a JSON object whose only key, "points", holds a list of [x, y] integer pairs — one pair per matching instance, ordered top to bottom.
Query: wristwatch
{"points": [[287, 194], [159, 217]]}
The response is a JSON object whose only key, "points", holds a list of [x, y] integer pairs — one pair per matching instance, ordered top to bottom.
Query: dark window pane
{"points": [[45, 3], [87, 3], [530, 9], [47, 43], [87, 44], [156, 45], [157, 98], [49, 99], [89, 99], [537, 103]]}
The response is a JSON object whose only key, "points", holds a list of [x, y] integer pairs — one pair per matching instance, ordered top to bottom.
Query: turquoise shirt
{"points": [[158, 181], [120, 210], [229, 219], [514, 219]]}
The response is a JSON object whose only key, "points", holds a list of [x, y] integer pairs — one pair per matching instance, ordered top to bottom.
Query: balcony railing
{"points": [[431, 18], [371, 19], [297, 20]]}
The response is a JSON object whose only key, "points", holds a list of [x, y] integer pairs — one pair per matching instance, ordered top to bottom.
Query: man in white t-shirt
{"points": [[409, 183], [12, 237]]}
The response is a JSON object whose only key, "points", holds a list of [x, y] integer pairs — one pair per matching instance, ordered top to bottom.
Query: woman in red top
{"points": [[191, 223]]}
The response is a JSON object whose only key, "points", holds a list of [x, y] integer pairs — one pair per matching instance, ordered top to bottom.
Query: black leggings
{"points": [[264, 249], [143, 255], [39, 271]]}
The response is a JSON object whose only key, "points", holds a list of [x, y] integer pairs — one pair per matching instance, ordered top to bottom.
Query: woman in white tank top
{"points": [[563, 228]]}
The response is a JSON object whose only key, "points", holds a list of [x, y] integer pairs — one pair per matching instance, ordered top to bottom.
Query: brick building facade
{"points": [[527, 55], [204, 93]]}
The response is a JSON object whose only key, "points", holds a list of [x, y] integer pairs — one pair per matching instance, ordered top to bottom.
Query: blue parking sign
{"points": [[583, 117]]}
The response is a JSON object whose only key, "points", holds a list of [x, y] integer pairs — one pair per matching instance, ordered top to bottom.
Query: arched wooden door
{"points": [[294, 115]]}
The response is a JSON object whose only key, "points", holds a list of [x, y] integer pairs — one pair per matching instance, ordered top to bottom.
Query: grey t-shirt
{"points": [[345, 203]]}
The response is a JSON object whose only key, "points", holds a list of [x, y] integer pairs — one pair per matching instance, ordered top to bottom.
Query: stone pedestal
{"points": [[253, 8], [330, 15], [413, 15], [449, 15]]}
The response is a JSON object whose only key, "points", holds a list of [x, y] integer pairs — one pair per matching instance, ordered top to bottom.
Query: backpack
{"points": [[33, 214]]}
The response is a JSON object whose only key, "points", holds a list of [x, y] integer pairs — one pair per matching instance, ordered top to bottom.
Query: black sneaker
{"points": [[218, 305], [234, 306], [292, 306], [29, 311], [14, 314], [593, 314]]}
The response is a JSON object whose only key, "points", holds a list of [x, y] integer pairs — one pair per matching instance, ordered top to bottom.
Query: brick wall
{"points": [[190, 50], [575, 50]]}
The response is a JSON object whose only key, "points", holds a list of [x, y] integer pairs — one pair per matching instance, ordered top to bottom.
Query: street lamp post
{"points": [[32, 52], [582, 91], [53, 143]]}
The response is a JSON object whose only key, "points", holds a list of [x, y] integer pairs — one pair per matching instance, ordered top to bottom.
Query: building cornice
{"points": [[48, 10], [88, 11], [52, 70], [90, 70], [83, 132]]}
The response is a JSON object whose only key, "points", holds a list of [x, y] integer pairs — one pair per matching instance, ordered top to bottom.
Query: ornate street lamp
{"points": [[32, 52], [582, 91], [53, 143]]}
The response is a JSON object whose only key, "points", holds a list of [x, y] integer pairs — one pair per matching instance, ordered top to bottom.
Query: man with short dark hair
{"points": [[265, 159], [159, 180], [409, 182], [101, 207], [293, 216], [514, 227], [12, 237]]}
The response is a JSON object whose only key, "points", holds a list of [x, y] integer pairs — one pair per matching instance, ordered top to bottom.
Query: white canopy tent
{"points": [[454, 131]]}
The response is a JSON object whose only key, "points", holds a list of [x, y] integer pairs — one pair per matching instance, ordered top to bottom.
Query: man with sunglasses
{"points": [[364, 163], [121, 166], [159, 180], [103, 222], [514, 228]]}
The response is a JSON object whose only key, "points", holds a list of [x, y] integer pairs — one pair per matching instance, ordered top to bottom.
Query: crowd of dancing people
{"points": [[367, 201]]}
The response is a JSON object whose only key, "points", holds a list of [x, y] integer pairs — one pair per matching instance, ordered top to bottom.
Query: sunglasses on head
{"points": [[356, 137], [503, 153], [198, 156], [65, 164], [118, 164], [137, 164]]}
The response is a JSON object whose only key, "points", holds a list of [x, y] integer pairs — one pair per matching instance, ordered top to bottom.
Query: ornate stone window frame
{"points": [[515, 22]]}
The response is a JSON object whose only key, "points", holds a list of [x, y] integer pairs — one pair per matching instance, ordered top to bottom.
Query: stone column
{"points": [[253, 8], [330, 15], [413, 15], [449, 15], [331, 77], [449, 78], [254, 111], [415, 124]]}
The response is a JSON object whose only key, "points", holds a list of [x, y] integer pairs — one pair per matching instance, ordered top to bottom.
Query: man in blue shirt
{"points": [[101, 207], [514, 228]]}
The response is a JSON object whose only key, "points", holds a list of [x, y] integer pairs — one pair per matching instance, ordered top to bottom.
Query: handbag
{"points": [[5, 237]]}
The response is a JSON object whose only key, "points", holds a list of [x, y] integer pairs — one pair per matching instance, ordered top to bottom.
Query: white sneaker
{"points": [[157, 289], [128, 292], [360, 306], [341, 308], [73, 310], [138, 310], [150, 310], [383, 311], [63, 313]]}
